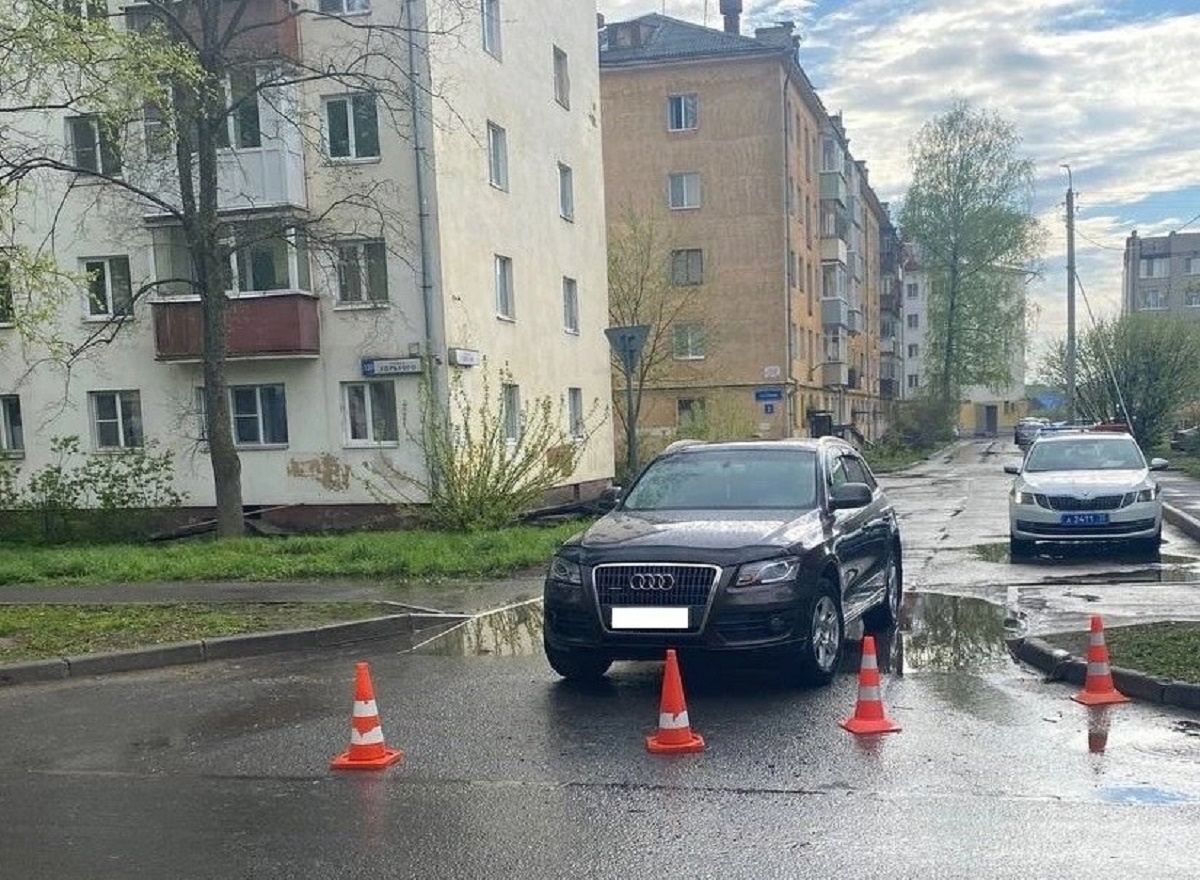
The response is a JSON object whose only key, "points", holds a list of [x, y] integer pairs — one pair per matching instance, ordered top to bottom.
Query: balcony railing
{"points": [[833, 186], [834, 250], [835, 312], [854, 321], [282, 324], [835, 375], [889, 389]]}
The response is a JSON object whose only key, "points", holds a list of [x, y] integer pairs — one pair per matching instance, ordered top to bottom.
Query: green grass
{"points": [[887, 459], [403, 555], [38, 632], [1161, 650]]}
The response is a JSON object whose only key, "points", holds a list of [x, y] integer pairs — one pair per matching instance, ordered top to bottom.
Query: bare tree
{"points": [[164, 91]]}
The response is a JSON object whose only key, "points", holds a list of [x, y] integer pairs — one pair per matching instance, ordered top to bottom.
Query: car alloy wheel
{"points": [[820, 652]]}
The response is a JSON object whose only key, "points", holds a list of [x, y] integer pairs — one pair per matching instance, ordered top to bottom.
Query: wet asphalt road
{"points": [[221, 769]]}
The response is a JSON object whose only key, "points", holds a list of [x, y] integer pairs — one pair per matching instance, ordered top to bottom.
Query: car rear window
{"points": [[728, 479]]}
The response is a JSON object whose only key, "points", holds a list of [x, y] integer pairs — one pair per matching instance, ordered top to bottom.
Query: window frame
{"points": [[344, 10], [490, 23], [562, 78], [683, 115], [353, 136], [497, 137], [107, 160], [683, 178], [566, 192], [367, 253], [683, 258], [570, 295], [506, 299], [8, 311], [110, 312], [912, 321], [694, 341], [369, 403], [690, 405], [510, 411], [575, 417], [261, 423], [130, 427], [12, 439]]}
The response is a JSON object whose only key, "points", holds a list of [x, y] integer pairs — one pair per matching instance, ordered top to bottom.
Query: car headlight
{"points": [[1148, 494], [1022, 497], [566, 571], [771, 571]]}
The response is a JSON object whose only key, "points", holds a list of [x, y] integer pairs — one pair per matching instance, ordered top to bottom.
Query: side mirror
{"points": [[1159, 464], [1012, 469], [850, 495], [608, 498]]}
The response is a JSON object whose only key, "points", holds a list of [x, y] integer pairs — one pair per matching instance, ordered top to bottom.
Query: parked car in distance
{"points": [[1026, 429], [1184, 438], [1084, 486], [765, 548]]}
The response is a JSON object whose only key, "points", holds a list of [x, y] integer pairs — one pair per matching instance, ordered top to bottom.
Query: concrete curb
{"points": [[1183, 521], [410, 628], [1060, 665]]}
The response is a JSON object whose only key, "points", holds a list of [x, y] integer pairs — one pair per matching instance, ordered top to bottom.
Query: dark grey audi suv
{"points": [[766, 546]]}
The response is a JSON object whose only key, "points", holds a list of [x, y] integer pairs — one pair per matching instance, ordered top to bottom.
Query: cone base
{"points": [[1100, 698], [870, 725], [694, 743], [387, 759]]}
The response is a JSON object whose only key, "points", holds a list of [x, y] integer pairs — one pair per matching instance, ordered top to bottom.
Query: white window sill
{"points": [[357, 13], [353, 160], [86, 178], [684, 207], [106, 319], [507, 319], [7, 325], [571, 331], [689, 357], [371, 444], [257, 447], [116, 450], [11, 454]]}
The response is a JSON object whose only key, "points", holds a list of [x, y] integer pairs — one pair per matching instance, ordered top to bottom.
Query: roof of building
{"points": [[660, 38]]}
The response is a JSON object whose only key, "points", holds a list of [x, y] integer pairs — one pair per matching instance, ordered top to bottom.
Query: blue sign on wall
{"points": [[768, 394]]}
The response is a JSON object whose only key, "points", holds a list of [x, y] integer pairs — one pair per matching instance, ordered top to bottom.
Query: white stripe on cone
{"points": [[1097, 669], [869, 694], [365, 709], [673, 721], [370, 738]]}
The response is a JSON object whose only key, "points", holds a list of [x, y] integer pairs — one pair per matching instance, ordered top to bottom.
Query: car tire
{"points": [[1019, 549], [886, 614], [815, 661], [577, 664]]}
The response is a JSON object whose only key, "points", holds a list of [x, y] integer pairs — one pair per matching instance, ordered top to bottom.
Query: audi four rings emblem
{"points": [[651, 581]]}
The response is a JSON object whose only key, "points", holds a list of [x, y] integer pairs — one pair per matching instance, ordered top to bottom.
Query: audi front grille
{"points": [[654, 584]]}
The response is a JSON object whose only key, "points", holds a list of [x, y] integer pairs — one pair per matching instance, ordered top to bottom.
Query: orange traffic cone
{"points": [[1098, 687], [869, 716], [675, 734], [367, 750]]}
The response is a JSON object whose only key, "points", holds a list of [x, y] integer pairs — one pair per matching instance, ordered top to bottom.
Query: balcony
{"points": [[266, 29], [833, 186], [834, 250], [889, 303], [835, 313], [854, 321], [283, 324], [887, 346], [835, 375], [853, 378], [889, 389]]}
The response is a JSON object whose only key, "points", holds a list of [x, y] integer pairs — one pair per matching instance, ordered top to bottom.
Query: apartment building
{"points": [[454, 222], [775, 237], [1162, 275], [982, 411]]}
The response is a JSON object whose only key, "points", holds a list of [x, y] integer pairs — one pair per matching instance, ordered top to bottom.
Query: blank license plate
{"points": [[1084, 519], [649, 618]]}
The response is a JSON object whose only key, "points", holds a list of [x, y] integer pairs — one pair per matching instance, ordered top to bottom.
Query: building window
{"points": [[344, 7], [86, 10], [491, 26], [562, 78], [682, 112], [352, 126], [244, 130], [94, 145], [497, 156], [683, 189], [566, 192], [265, 258], [1191, 266], [687, 267], [1154, 267], [791, 268], [362, 272], [910, 290], [110, 291], [570, 292], [1191, 298], [1152, 299], [505, 303], [7, 314], [912, 321], [688, 342], [913, 350], [914, 380], [510, 405], [371, 412], [575, 412], [689, 412], [259, 415], [116, 419], [12, 434]]}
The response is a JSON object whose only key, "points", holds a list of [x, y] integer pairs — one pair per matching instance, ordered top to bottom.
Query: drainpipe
{"points": [[787, 257], [430, 270]]}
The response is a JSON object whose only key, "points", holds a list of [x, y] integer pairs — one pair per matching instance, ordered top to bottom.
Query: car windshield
{"points": [[1085, 454], [724, 479]]}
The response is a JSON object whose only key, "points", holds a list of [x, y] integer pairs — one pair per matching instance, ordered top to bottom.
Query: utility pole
{"points": [[1070, 298]]}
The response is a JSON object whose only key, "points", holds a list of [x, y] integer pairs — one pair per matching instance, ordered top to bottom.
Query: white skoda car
{"points": [[1084, 487]]}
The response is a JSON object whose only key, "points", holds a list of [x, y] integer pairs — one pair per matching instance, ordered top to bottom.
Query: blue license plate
{"points": [[1084, 519]]}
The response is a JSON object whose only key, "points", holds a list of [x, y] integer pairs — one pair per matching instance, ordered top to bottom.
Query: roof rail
{"points": [[681, 444]]}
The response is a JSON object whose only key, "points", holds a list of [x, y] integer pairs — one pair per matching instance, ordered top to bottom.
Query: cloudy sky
{"points": [[1107, 87]]}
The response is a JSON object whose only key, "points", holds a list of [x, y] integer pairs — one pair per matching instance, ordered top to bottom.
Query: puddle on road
{"points": [[1162, 568], [937, 632]]}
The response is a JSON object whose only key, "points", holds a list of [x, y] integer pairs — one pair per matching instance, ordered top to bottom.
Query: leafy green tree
{"points": [[170, 84], [968, 212], [1141, 369]]}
